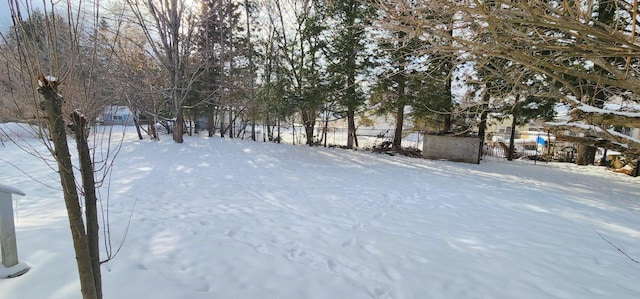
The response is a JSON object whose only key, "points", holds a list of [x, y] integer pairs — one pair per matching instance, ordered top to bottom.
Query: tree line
{"points": [[269, 62], [256, 63]]}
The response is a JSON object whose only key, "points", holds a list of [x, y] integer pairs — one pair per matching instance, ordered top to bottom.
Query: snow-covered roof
{"points": [[117, 110]]}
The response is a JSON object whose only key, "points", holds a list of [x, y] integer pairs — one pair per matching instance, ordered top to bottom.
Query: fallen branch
{"points": [[618, 248]]}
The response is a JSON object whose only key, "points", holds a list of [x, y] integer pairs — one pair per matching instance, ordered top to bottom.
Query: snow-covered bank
{"points": [[216, 218]]}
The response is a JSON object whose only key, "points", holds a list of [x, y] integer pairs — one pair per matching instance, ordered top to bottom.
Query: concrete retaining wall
{"points": [[458, 149]]}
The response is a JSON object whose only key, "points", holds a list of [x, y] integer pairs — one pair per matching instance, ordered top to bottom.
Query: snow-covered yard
{"points": [[221, 218]]}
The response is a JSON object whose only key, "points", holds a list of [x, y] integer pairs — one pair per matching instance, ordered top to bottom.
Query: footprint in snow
{"points": [[379, 215], [325, 230], [349, 242], [262, 248], [370, 249], [332, 265], [141, 267], [393, 274], [380, 293]]}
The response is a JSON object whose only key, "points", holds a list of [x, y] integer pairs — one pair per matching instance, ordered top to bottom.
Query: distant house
{"points": [[117, 115]]}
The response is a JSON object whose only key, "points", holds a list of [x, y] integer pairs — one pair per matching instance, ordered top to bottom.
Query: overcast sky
{"points": [[5, 15]]}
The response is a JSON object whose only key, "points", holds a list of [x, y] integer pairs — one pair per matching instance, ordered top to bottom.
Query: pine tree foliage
{"points": [[584, 52]]}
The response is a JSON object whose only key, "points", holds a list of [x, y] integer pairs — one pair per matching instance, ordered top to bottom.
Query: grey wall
{"points": [[459, 149]]}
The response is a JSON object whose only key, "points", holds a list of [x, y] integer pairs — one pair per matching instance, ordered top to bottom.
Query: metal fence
{"points": [[334, 136], [370, 137], [553, 151]]}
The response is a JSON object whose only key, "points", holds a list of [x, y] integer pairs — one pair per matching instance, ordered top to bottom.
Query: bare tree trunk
{"points": [[250, 54], [402, 91], [52, 105], [515, 111], [308, 119], [154, 120], [136, 121], [231, 121], [211, 122], [447, 123], [137, 124], [253, 124], [178, 126], [351, 127], [482, 127], [223, 129], [325, 129], [153, 132], [293, 134], [352, 136], [279, 137], [397, 137], [355, 138], [512, 149], [90, 198]]}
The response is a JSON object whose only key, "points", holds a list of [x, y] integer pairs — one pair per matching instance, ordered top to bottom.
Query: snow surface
{"points": [[225, 218]]}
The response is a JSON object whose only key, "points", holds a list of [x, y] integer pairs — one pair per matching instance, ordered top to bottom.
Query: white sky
{"points": [[5, 15]]}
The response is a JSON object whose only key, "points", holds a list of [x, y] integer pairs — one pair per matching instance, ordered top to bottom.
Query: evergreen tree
{"points": [[349, 56]]}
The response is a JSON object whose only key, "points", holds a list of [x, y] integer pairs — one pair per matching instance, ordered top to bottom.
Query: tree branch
{"points": [[618, 248]]}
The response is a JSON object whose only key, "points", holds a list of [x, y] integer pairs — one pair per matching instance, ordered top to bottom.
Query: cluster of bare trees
{"points": [[43, 50], [322, 61], [269, 62], [252, 63]]}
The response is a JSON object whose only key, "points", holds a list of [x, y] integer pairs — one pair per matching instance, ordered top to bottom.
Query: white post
{"points": [[8, 231]]}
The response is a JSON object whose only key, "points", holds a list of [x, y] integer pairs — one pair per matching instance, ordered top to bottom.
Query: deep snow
{"points": [[224, 218]]}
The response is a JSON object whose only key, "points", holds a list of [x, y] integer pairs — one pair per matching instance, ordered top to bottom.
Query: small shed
{"points": [[117, 115], [10, 265]]}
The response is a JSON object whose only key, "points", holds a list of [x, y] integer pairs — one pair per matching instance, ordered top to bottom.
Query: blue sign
{"points": [[542, 141]]}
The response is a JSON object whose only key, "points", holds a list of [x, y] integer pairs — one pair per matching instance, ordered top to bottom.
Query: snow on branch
{"points": [[44, 81], [48, 85], [604, 117], [593, 125], [584, 133]]}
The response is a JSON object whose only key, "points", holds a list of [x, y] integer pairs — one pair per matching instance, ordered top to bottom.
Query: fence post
{"points": [[8, 234]]}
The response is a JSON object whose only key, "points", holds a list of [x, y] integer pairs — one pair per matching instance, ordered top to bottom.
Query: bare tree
{"points": [[169, 27], [39, 47], [301, 47], [54, 70], [135, 74], [275, 79]]}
